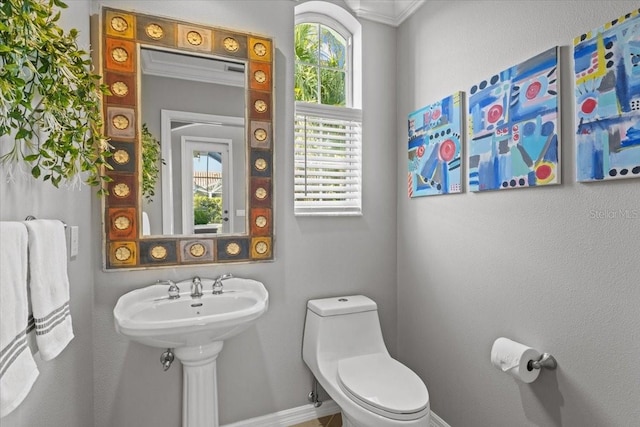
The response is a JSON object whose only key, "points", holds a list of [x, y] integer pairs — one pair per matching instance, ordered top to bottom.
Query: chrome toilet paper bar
{"points": [[546, 361]]}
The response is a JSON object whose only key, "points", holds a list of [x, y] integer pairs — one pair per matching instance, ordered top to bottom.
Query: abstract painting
{"points": [[607, 96], [513, 126], [435, 148]]}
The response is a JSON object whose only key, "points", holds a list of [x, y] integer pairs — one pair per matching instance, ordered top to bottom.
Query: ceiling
{"points": [[390, 12]]}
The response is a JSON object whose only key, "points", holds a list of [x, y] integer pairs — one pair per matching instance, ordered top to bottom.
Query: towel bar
{"points": [[31, 218]]}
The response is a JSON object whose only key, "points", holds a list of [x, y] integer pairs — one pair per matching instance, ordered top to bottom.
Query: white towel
{"points": [[49, 286], [18, 370]]}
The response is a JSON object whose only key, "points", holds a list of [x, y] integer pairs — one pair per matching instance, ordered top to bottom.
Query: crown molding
{"points": [[390, 12]]}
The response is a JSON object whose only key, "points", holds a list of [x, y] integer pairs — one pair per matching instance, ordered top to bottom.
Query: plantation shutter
{"points": [[328, 160]]}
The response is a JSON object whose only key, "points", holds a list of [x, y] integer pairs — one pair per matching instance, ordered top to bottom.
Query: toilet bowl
{"points": [[344, 348]]}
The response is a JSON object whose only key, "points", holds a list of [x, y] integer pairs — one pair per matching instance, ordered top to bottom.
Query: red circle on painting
{"points": [[533, 90], [588, 105], [494, 114], [447, 150], [420, 151], [543, 172]]}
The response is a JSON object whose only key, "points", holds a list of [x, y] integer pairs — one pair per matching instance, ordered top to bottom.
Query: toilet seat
{"points": [[384, 386]]}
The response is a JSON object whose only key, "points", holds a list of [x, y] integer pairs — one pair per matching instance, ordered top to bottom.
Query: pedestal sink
{"points": [[195, 327]]}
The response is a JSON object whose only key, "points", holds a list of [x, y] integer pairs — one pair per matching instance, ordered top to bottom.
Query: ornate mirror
{"points": [[189, 118]]}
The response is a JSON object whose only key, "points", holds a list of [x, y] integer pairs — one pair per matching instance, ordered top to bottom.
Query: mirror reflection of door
{"points": [[206, 185], [175, 200]]}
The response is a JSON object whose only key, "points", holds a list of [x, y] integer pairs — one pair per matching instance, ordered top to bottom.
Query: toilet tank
{"points": [[340, 327]]}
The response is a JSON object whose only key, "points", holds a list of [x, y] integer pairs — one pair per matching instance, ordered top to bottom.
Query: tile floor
{"points": [[334, 420]]}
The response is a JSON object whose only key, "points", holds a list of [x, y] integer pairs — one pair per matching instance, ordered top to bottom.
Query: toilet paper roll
{"points": [[512, 357]]}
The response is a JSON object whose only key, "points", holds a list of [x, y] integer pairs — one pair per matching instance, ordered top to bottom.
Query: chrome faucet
{"points": [[217, 284], [196, 287], [174, 290]]}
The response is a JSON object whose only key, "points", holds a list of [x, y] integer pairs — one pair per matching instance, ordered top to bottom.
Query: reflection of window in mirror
{"points": [[208, 98], [207, 185], [208, 196]]}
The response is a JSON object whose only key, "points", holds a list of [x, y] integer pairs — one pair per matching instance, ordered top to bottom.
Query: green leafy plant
{"points": [[319, 57], [49, 98], [150, 163], [207, 210], [200, 217]]}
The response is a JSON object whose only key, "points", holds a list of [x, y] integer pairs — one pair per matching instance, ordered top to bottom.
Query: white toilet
{"points": [[344, 349]]}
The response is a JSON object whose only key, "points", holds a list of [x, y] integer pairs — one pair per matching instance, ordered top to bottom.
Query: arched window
{"points": [[322, 64], [328, 143]]}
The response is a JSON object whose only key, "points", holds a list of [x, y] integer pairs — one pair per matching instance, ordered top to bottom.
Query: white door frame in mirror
{"points": [[167, 116], [223, 146]]}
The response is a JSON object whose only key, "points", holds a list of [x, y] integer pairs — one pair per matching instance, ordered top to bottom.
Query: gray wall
{"points": [[532, 265], [460, 284], [261, 371], [62, 394]]}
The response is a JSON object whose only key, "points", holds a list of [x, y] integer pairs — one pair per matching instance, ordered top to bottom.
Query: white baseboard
{"points": [[304, 413], [291, 416], [436, 421]]}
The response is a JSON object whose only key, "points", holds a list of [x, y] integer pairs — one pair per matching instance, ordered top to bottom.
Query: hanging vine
{"points": [[49, 98], [150, 163]]}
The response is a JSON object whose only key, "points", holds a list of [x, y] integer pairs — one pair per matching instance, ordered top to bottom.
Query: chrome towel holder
{"points": [[31, 218]]}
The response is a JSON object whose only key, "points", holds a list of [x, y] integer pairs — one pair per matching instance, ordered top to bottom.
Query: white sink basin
{"points": [[148, 316], [196, 329]]}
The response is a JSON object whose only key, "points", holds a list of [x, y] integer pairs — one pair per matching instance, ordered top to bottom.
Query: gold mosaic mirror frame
{"points": [[121, 35]]}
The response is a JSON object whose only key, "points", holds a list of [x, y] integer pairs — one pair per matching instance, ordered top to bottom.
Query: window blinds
{"points": [[328, 160]]}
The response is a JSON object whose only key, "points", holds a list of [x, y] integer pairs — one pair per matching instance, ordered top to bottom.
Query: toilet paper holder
{"points": [[546, 361]]}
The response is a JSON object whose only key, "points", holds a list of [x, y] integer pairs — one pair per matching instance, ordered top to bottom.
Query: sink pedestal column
{"points": [[199, 384]]}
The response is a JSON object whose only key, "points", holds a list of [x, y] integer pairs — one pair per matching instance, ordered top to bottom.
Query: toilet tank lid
{"points": [[341, 305]]}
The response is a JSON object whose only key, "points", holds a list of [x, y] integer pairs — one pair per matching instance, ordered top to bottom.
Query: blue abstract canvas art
{"points": [[607, 97], [513, 126], [435, 148]]}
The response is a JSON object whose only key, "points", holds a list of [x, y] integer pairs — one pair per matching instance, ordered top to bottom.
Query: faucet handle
{"points": [[217, 284], [174, 290]]}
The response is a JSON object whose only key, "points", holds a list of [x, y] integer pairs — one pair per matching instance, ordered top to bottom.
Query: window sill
{"points": [[330, 214]]}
